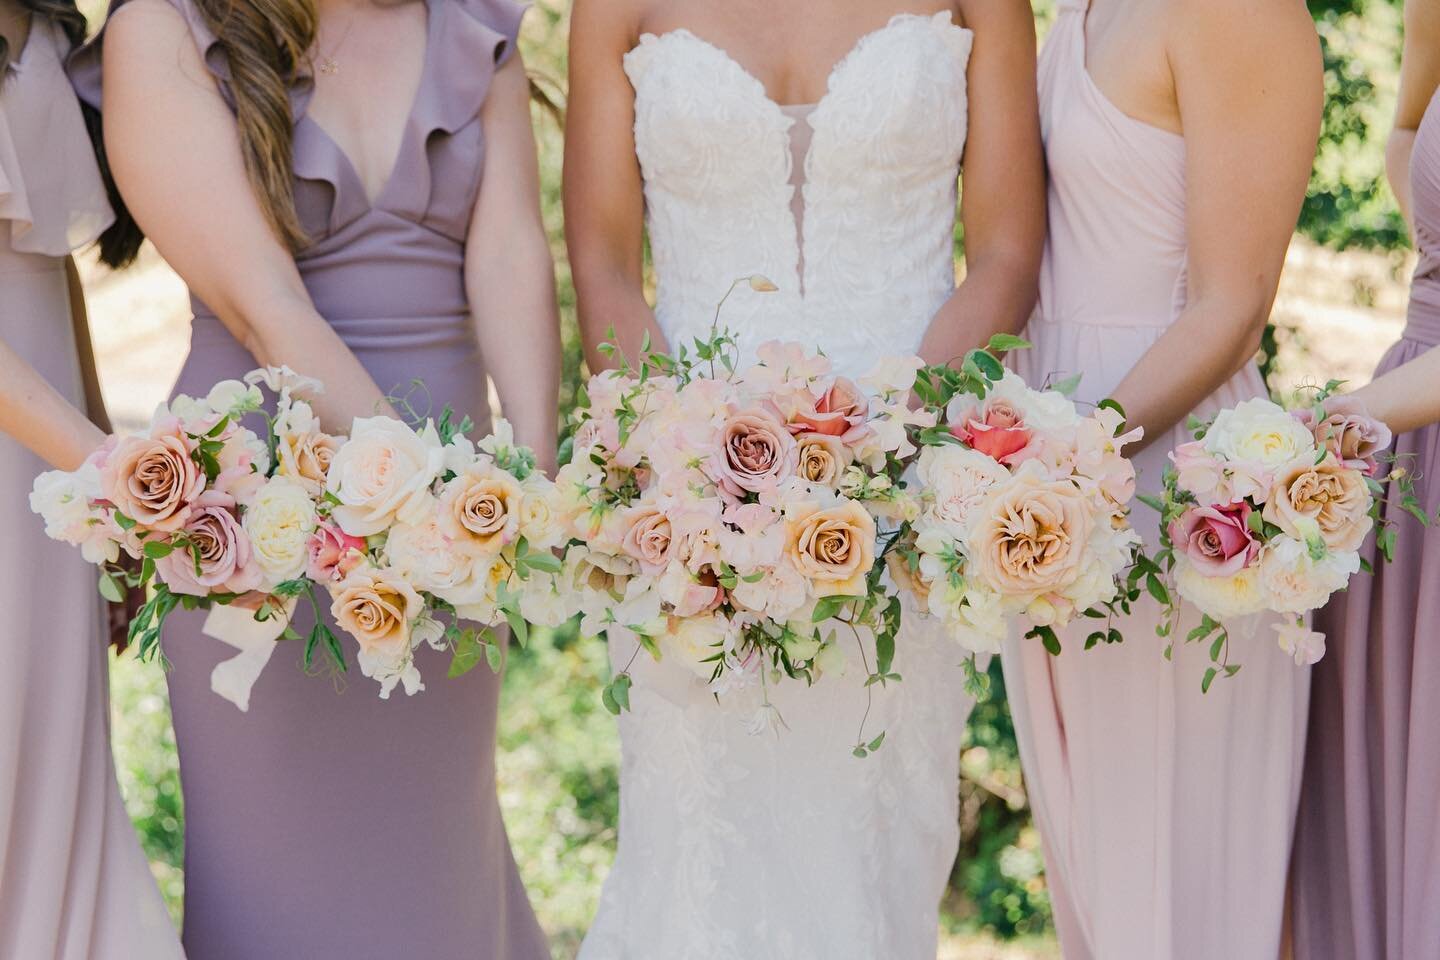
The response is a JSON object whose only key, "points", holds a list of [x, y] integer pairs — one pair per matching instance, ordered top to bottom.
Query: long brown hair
{"points": [[121, 242]]}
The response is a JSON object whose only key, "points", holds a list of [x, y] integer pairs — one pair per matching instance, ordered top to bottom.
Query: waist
{"points": [[1422, 321], [414, 332]]}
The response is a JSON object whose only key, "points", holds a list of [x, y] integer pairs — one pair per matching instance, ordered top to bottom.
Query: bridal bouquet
{"points": [[1024, 506], [1266, 510], [731, 516], [404, 532]]}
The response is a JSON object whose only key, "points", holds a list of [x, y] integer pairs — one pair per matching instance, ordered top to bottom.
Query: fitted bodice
{"points": [[878, 190], [1116, 198], [1424, 323]]}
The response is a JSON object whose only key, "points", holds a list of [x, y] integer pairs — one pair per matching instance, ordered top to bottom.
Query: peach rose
{"points": [[836, 412], [998, 431], [756, 453], [306, 457], [822, 458], [153, 479], [1329, 494], [480, 509], [648, 538], [1031, 538], [832, 547], [216, 558], [376, 607]]}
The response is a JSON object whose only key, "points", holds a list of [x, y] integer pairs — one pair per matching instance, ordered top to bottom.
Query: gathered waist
{"points": [[1422, 321], [374, 333]]}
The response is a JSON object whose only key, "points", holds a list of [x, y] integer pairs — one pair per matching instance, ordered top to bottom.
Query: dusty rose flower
{"points": [[836, 412], [999, 432], [1349, 432], [756, 452], [305, 458], [822, 458], [152, 479], [1330, 494], [480, 509], [648, 538], [1031, 538], [1217, 540], [216, 544], [832, 547], [332, 554], [376, 607]]}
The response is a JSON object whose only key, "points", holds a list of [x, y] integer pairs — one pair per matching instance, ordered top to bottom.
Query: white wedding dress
{"points": [[783, 846]]}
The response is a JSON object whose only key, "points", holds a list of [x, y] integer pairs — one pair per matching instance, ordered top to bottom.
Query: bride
{"points": [[817, 143]]}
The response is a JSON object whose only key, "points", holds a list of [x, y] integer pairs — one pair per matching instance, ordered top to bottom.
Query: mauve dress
{"points": [[1166, 813], [325, 824], [1367, 841], [74, 884]]}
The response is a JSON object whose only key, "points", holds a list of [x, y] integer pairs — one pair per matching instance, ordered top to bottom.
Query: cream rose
{"points": [[1259, 432], [305, 458], [822, 458], [383, 474], [153, 479], [956, 481], [1328, 494], [480, 509], [280, 519], [541, 521], [1031, 535], [832, 547], [424, 556], [1296, 582], [1238, 595], [376, 607], [696, 639]]}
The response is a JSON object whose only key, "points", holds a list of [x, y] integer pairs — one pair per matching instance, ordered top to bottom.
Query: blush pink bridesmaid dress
{"points": [[1166, 814]]}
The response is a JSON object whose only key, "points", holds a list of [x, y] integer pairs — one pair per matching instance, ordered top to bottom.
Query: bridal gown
{"points": [[1166, 813], [324, 825], [784, 846], [74, 884]]}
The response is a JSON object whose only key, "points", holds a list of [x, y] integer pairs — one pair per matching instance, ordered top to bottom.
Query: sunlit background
{"points": [[1342, 303]]}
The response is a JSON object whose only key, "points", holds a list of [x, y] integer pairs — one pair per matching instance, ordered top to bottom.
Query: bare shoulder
{"points": [[998, 18], [612, 19], [143, 26], [1246, 37]]}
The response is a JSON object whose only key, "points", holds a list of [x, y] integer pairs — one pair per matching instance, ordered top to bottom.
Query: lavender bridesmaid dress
{"points": [[1166, 813], [325, 824], [1367, 841], [74, 884]]}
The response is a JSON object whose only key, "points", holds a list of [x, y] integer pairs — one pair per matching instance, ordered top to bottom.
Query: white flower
{"points": [[892, 375], [283, 381], [233, 398], [186, 409], [1047, 412], [1259, 432], [383, 474], [957, 481], [65, 501], [279, 521], [541, 523], [423, 555], [1295, 581], [778, 593], [1223, 598], [543, 603], [696, 639], [1304, 645], [389, 670], [765, 719]]}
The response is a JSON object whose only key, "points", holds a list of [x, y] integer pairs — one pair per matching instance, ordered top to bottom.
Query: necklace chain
{"points": [[328, 65]]}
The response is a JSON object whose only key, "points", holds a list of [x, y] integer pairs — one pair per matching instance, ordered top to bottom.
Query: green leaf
{"points": [[1005, 342], [989, 366], [1068, 386], [1109, 404], [1153, 502], [123, 522], [156, 549], [544, 560], [1157, 589], [111, 590], [827, 607], [518, 626], [1046, 635], [311, 642], [332, 646], [1217, 646], [884, 652], [467, 654], [492, 656], [1208, 679], [620, 690], [607, 697], [874, 745], [859, 753]]}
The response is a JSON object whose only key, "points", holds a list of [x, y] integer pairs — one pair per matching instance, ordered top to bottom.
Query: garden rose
{"points": [[834, 413], [997, 430], [1259, 432], [1349, 432], [756, 453], [304, 456], [822, 458], [382, 474], [152, 479], [957, 481], [1329, 494], [480, 509], [280, 520], [648, 537], [1031, 537], [1217, 540], [832, 547], [221, 551], [331, 554], [427, 560], [1296, 582], [1238, 595], [376, 606]]}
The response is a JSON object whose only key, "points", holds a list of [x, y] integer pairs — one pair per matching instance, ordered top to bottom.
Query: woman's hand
{"points": [[35, 414]]}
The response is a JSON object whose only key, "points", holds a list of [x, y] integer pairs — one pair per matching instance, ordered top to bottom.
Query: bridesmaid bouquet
{"points": [[1024, 507], [1266, 510], [732, 516], [404, 532]]}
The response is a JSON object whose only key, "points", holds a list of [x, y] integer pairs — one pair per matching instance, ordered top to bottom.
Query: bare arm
{"points": [[1419, 77], [1250, 135], [175, 152], [604, 198], [1003, 203], [509, 275], [1406, 398], [44, 422]]}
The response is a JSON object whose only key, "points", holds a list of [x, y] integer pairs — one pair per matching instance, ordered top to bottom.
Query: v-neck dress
{"points": [[332, 824]]}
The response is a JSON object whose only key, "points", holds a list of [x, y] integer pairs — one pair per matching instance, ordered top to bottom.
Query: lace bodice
{"points": [[879, 190], [783, 846]]}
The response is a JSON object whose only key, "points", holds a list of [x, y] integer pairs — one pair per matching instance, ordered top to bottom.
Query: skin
{"points": [[1250, 133], [174, 148], [1003, 215], [1406, 398], [33, 412]]}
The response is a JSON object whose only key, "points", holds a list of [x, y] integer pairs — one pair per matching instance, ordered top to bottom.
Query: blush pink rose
{"points": [[836, 412], [999, 432], [1349, 432], [756, 453], [153, 479], [649, 538], [1217, 540], [333, 554], [216, 558]]}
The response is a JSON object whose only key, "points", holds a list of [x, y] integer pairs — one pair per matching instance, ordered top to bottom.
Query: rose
{"points": [[837, 411], [996, 430], [1349, 432], [1261, 433], [756, 453], [305, 456], [822, 458], [1199, 471], [383, 474], [154, 480], [956, 481], [1329, 495], [480, 509], [280, 520], [541, 522], [648, 537], [1030, 537], [1217, 540], [833, 547], [213, 554], [331, 554], [425, 558], [1295, 581], [777, 594], [1224, 598], [376, 607], [697, 639], [1303, 645]]}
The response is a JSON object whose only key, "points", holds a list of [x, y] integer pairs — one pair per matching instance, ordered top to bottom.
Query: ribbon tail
{"points": [[256, 640]]}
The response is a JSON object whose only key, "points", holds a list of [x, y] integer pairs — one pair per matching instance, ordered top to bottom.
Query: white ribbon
{"points": [[255, 639]]}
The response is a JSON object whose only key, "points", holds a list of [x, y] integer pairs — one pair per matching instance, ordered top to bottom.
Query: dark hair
{"points": [[121, 242]]}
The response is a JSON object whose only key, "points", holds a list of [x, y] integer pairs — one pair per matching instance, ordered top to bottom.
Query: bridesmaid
{"points": [[1179, 139], [313, 170], [1367, 845], [74, 884]]}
